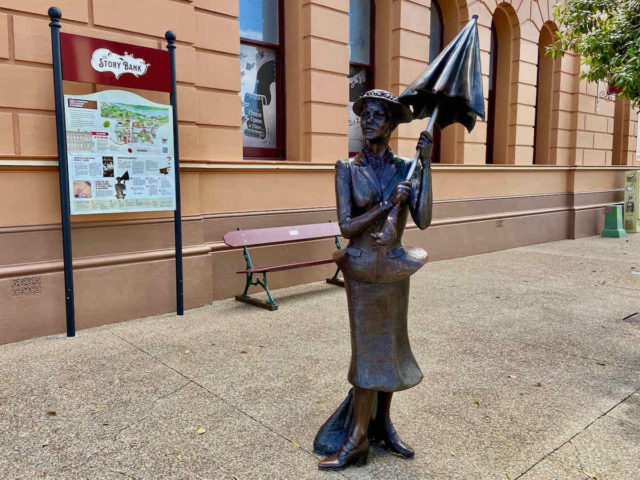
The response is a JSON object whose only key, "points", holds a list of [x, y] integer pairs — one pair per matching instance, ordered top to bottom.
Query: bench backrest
{"points": [[264, 236]]}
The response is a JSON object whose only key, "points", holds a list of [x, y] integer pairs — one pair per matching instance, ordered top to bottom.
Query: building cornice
{"points": [[263, 166]]}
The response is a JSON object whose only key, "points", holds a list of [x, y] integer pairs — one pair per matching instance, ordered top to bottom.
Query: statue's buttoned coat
{"points": [[377, 276]]}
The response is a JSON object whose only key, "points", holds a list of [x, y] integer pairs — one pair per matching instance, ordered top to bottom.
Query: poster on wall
{"points": [[357, 87], [258, 93], [120, 153]]}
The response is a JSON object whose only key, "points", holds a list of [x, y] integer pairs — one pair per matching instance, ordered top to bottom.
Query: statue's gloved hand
{"points": [[425, 146], [401, 193]]}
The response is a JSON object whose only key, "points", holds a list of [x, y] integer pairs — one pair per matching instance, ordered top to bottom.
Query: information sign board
{"points": [[117, 151], [120, 153]]}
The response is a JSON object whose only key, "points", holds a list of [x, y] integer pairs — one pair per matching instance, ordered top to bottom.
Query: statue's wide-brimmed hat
{"points": [[398, 111]]}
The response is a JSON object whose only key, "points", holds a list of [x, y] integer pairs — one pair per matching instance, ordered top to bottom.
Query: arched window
{"points": [[449, 16], [436, 30], [436, 41], [361, 42], [493, 53], [500, 61], [548, 69]]}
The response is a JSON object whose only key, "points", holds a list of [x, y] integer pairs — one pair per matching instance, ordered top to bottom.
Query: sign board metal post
{"points": [[55, 14], [171, 46]]}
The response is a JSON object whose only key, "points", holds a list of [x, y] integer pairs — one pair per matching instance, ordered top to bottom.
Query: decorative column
{"points": [[405, 31], [215, 87], [318, 121]]}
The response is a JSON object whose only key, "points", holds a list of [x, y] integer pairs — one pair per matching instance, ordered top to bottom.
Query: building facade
{"points": [[264, 88]]}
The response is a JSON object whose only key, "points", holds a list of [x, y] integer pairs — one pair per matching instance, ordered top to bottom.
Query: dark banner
{"points": [[92, 60]]}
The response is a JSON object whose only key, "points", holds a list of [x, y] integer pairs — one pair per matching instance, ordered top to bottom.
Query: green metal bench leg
{"points": [[336, 280], [271, 301], [270, 304]]}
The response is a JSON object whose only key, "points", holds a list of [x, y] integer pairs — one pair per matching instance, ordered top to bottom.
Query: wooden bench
{"points": [[270, 236]]}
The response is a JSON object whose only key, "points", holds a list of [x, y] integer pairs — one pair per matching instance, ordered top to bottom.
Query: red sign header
{"points": [[92, 60]]}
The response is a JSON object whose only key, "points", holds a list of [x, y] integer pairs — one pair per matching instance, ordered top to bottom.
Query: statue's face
{"points": [[374, 121]]}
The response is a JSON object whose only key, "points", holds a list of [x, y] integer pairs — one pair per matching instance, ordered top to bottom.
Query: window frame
{"points": [[370, 67], [491, 101], [279, 152]]}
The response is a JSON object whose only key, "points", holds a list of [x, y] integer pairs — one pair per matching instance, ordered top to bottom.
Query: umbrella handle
{"points": [[414, 163]]}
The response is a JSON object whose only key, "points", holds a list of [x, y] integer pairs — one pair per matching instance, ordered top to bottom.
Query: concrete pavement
{"points": [[530, 373]]}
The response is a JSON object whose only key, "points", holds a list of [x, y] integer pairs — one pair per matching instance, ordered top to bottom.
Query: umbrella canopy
{"points": [[452, 82]]}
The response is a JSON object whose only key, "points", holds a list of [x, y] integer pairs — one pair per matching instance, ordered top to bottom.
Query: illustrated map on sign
{"points": [[134, 123]]}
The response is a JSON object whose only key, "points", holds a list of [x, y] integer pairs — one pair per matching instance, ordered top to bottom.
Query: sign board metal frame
{"points": [[67, 52]]}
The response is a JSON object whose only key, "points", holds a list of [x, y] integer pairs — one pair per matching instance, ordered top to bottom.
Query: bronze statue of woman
{"points": [[373, 203]]}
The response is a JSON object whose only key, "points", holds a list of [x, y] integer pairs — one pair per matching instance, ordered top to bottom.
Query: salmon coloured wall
{"points": [[591, 141]]}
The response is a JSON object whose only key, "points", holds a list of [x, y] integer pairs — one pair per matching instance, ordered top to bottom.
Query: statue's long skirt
{"points": [[381, 357]]}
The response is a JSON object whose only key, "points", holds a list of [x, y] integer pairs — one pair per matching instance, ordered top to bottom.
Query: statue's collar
{"points": [[361, 158]]}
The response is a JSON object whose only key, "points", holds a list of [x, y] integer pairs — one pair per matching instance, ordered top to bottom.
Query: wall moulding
{"points": [[31, 163], [287, 212], [448, 213], [162, 220], [100, 261]]}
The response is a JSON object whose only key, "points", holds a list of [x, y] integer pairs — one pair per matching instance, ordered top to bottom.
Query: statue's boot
{"points": [[383, 431], [355, 450], [349, 454]]}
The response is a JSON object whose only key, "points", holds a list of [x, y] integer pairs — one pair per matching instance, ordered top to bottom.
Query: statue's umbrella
{"points": [[450, 89]]}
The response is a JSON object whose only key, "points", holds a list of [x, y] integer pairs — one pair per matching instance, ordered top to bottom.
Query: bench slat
{"points": [[265, 236], [289, 266]]}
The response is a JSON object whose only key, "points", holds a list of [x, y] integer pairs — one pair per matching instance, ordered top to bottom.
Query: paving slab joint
{"points": [[218, 397], [578, 433]]}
